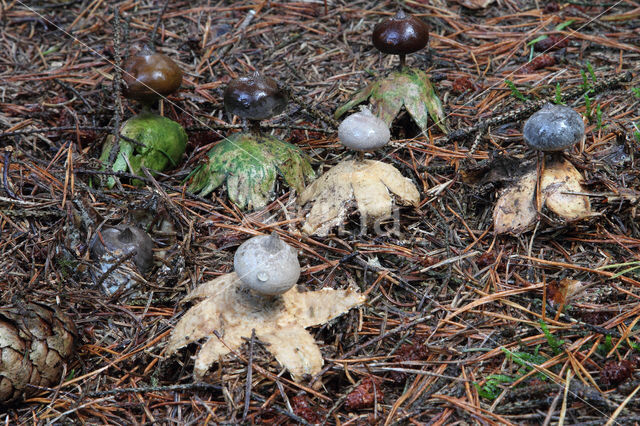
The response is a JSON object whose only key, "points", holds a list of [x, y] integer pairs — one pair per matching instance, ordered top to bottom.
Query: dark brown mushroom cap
{"points": [[400, 34], [150, 75], [254, 98], [553, 128], [123, 239]]}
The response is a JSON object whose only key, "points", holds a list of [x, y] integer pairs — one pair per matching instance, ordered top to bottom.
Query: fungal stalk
{"points": [[250, 162]]}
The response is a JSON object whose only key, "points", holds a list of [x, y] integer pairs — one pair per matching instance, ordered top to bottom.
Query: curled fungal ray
{"points": [[369, 183], [227, 312]]}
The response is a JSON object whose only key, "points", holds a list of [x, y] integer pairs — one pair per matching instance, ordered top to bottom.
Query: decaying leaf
{"points": [[410, 88], [249, 165], [559, 179], [370, 183], [515, 211], [563, 291], [227, 312]]}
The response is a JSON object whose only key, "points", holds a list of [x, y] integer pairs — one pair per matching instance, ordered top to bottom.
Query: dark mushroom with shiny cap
{"points": [[400, 35], [149, 75], [254, 98]]}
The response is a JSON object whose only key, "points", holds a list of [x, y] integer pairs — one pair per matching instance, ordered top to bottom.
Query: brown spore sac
{"points": [[400, 34], [150, 75]]}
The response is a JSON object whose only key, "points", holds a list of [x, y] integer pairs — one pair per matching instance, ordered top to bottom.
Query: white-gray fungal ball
{"points": [[553, 128], [363, 131], [267, 265]]}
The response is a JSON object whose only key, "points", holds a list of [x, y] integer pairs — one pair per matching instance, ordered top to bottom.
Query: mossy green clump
{"points": [[160, 145], [249, 165]]}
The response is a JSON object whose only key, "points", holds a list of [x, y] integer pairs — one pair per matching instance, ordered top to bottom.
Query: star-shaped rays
{"points": [[409, 87], [249, 165], [375, 186], [227, 312]]}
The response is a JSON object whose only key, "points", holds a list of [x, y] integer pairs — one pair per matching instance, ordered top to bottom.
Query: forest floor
{"points": [[460, 326]]}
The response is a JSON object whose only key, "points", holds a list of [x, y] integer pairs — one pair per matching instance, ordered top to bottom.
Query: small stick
{"points": [[240, 31], [154, 33], [117, 81], [75, 92], [531, 106], [311, 109], [218, 126], [476, 141], [5, 172], [115, 266], [187, 387], [247, 391]]}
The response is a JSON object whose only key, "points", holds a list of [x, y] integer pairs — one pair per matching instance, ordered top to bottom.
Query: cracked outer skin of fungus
{"points": [[231, 311]]}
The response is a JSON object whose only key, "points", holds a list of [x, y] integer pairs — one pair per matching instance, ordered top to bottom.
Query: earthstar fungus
{"points": [[400, 35], [150, 75], [406, 87], [254, 98], [553, 128], [363, 131], [549, 131], [150, 140], [158, 145], [250, 162], [373, 185], [116, 242], [267, 265], [226, 312]]}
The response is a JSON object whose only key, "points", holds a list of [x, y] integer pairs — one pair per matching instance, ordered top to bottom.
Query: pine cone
{"points": [[35, 341]]}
